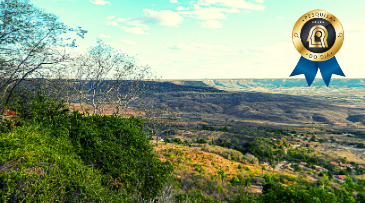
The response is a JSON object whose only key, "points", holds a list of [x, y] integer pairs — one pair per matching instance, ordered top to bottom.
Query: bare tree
{"points": [[28, 37], [106, 77], [160, 117]]}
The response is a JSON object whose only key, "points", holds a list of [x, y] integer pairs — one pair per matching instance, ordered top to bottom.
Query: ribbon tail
{"points": [[306, 67], [328, 68]]}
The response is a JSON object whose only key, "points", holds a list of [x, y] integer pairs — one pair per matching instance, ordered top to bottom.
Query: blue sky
{"points": [[211, 38]]}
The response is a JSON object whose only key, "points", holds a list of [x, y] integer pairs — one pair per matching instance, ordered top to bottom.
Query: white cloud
{"points": [[173, 1], [260, 1], [99, 2], [232, 4], [181, 8], [248, 11], [209, 13], [111, 17], [164, 17], [279, 17], [113, 23], [211, 24], [140, 25], [136, 30], [141, 30], [104, 36], [128, 42], [200, 46], [134, 52], [147, 52], [212, 61], [248, 62]]}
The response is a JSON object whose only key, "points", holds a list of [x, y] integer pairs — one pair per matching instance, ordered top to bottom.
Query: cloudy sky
{"points": [[182, 39]]}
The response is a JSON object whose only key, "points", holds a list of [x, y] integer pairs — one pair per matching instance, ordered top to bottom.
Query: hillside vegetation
{"points": [[50, 154]]}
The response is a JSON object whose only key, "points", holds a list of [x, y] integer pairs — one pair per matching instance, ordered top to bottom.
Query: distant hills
{"points": [[269, 83], [272, 100]]}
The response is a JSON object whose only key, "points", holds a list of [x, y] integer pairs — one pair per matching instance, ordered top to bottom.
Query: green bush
{"points": [[205, 127], [224, 129], [169, 132], [177, 141], [201, 141], [187, 143], [97, 158], [41, 167], [297, 168], [235, 181], [275, 192], [194, 196]]}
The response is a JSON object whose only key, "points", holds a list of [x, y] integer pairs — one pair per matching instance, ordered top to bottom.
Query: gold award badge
{"points": [[318, 36]]}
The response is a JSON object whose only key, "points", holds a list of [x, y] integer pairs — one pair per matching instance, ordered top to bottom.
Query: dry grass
{"points": [[107, 111], [210, 157]]}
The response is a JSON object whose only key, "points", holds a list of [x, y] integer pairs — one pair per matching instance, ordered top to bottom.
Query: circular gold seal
{"points": [[318, 35]]}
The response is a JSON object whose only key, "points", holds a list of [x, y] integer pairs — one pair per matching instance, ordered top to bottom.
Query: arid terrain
{"points": [[328, 122]]}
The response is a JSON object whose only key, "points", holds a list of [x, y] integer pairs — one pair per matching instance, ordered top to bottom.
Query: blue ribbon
{"points": [[310, 68]]}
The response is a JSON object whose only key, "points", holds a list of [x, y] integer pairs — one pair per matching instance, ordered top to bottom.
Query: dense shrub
{"points": [[205, 127], [201, 141], [81, 157], [42, 167], [275, 192], [194, 196]]}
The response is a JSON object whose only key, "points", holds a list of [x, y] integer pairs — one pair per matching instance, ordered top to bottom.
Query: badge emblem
{"points": [[318, 36]]}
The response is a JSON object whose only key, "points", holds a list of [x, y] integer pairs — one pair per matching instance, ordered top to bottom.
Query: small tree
{"points": [[298, 168], [221, 174], [235, 181]]}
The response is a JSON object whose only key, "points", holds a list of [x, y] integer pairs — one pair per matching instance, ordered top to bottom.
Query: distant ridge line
{"points": [[256, 79]]}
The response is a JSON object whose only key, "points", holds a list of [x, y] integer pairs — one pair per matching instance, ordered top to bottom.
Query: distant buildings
{"points": [[160, 139], [346, 165], [286, 167], [319, 168], [340, 178]]}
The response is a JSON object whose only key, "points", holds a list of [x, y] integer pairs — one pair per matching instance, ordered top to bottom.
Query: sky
{"points": [[211, 39]]}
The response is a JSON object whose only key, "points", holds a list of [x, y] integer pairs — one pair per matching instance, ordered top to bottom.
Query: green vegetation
{"points": [[210, 128], [201, 141], [57, 155], [110, 159]]}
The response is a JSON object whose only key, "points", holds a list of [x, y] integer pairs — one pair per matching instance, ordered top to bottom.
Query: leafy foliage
{"points": [[114, 150]]}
